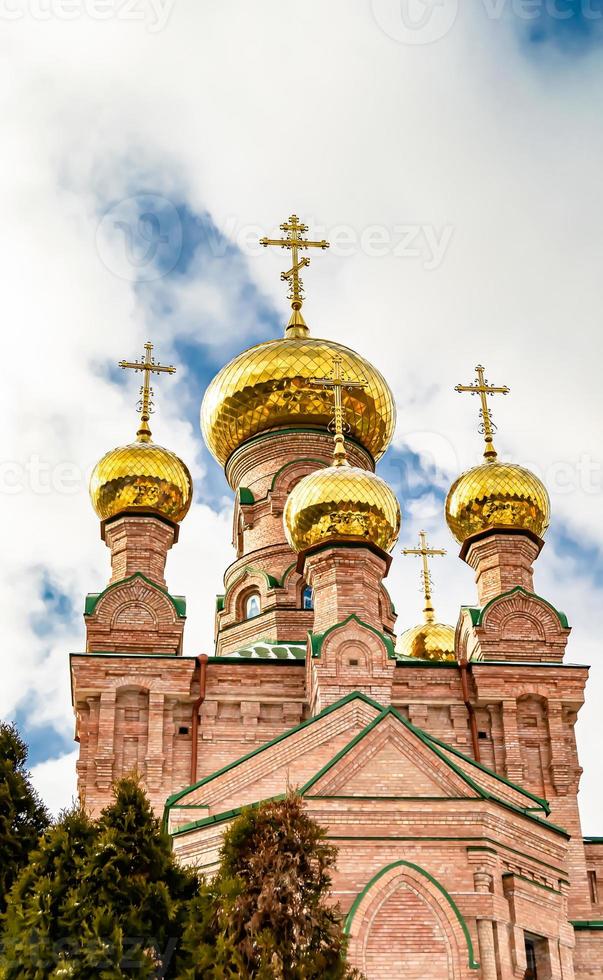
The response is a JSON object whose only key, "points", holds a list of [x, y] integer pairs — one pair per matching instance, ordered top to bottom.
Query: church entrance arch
{"points": [[405, 924]]}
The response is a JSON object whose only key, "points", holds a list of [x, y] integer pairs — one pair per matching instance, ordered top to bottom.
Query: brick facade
{"points": [[460, 851]]}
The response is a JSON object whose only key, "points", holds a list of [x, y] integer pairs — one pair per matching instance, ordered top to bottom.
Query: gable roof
{"points": [[453, 773]]}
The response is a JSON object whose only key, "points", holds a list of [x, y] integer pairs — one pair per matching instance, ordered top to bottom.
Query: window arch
{"points": [[307, 598], [252, 605]]}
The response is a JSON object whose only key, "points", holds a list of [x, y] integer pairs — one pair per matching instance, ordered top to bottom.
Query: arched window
{"points": [[307, 598], [252, 606]]}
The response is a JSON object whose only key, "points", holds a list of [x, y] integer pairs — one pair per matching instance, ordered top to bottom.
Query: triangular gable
{"points": [[291, 759], [388, 759]]}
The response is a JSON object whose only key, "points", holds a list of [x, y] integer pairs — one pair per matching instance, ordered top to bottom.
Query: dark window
{"points": [[307, 598], [353, 663], [183, 730], [482, 735], [592, 884], [531, 972]]}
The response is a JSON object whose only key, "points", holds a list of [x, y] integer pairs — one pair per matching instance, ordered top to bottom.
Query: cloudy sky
{"points": [[451, 151]]}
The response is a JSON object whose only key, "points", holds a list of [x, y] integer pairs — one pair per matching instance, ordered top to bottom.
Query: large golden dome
{"points": [[267, 387], [141, 477], [497, 495], [341, 502], [428, 641]]}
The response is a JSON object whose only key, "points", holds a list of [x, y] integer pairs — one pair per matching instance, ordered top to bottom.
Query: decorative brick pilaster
{"points": [[513, 763]]}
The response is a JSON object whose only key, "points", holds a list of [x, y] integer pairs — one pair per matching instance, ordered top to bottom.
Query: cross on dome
{"points": [[295, 242], [148, 366], [483, 388], [338, 425], [425, 553]]}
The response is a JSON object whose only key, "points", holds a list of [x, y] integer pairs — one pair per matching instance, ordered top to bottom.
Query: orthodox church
{"points": [[442, 761]]}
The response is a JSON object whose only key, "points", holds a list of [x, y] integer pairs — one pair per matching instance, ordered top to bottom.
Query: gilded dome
{"points": [[267, 387], [141, 477], [497, 495], [341, 502], [428, 641]]}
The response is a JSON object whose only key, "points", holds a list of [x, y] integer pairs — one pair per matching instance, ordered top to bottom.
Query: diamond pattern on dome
{"points": [[267, 387], [141, 476], [497, 495], [341, 502], [429, 641]]}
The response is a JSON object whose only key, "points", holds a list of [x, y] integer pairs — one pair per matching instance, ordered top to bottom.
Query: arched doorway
{"points": [[405, 925]]}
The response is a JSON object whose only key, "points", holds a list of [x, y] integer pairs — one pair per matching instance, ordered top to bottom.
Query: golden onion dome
{"points": [[268, 387], [141, 477], [497, 495], [341, 502], [428, 641]]}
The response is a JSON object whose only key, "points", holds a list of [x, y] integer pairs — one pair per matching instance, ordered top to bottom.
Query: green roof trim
{"points": [[245, 496], [271, 580], [93, 598], [220, 602], [477, 614], [317, 639], [270, 650], [353, 696], [435, 745], [541, 803], [593, 840], [582, 924], [473, 964]]}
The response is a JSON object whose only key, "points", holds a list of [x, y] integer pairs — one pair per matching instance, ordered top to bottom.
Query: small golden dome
{"points": [[267, 387], [141, 477], [497, 495], [341, 502], [429, 641]]}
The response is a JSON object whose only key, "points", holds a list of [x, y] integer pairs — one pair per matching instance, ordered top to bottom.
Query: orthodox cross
{"points": [[296, 243], [148, 366], [336, 383], [483, 389], [425, 553]]}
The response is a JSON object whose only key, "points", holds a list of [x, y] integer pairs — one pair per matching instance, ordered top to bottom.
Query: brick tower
{"points": [[443, 766]]}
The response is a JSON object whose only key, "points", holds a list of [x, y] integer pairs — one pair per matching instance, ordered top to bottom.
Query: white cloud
{"points": [[231, 108], [55, 781]]}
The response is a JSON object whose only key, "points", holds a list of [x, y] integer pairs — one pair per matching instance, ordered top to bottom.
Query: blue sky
{"points": [[138, 227]]}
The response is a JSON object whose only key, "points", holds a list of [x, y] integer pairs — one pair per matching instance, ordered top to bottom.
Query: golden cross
{"points": [[296, 243], [337, 382], [145, 406], [487, 427], [425, 553]]}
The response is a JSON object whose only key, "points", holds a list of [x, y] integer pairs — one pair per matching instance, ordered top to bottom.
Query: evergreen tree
{"points": [[23, 817], [102, 899], [266, 914], [42, 922]]}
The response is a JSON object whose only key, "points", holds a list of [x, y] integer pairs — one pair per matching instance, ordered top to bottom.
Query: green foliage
{"points": [[23, 817], [102, 899], [266, 914]]}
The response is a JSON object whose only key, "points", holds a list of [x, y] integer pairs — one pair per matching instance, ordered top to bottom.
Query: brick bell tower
{"points": [[512, 643], [130, 683]]}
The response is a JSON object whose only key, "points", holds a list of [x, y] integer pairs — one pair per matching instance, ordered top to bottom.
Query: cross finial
{"points": [[295, 242], [148, 366], [336, 383], [483, 388], [425, 553]]}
